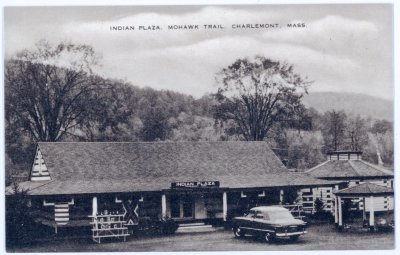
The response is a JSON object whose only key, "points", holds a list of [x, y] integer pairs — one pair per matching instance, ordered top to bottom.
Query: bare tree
{"points": [[49, 90], [255, 94], [334, 130], [357, 133]]}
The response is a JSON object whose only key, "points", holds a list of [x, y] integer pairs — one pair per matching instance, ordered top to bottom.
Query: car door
{"points": [[248, 221], [256, 222], [259, 222]]}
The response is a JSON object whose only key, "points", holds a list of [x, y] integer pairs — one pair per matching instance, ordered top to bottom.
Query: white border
{"points": [[396, 78]]}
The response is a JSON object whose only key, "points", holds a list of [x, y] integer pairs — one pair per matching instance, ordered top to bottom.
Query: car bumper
{"points": [[290, 234]]}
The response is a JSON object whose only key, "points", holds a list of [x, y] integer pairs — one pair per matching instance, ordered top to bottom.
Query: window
{"points": [[384, 181], [357, 182], [328, 191], [328, 196], [250, 214], [259, 215]]}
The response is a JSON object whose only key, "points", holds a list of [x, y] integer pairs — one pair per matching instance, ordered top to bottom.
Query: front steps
{"points": [[198, 227]]}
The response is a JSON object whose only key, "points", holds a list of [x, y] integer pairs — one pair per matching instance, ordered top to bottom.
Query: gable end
{"points": [[39, 170]]}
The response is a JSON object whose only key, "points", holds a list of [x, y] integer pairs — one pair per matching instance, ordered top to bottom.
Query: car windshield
{"points": [[279, 215]]}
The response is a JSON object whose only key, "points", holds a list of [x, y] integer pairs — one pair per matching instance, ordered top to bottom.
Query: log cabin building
{"points": [[349, 168], [72, 182]]}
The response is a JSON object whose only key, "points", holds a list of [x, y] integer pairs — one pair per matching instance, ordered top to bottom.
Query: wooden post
{"points": [[281, 192], [225, 205], [94, 206], [163, 206], [336, 210], [364, 210], [340, 212], [371, 212]]}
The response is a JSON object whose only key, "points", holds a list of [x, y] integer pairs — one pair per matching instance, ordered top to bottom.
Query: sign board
{"points": [[202, 184]]}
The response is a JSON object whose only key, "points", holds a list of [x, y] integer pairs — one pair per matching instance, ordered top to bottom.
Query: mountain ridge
{"points": [[351, 103]]}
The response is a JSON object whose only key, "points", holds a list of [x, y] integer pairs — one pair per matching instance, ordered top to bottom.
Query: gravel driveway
{"points": [[320, 237]]}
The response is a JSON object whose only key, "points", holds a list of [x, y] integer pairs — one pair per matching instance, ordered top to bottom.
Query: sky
{"points": [[342, 48]]}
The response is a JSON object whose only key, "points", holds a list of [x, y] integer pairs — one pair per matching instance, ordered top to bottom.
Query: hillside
{"points": [[351, 103]]}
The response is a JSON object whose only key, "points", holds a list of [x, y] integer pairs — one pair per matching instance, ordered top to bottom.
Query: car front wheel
{"points": [[238, 232]]}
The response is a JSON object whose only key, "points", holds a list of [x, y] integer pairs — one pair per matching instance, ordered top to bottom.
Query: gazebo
{"points": [[365, 190]]}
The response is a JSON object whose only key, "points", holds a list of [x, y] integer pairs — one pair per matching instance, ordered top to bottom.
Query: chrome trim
{"points": [[266, 230], [277, 234], [290, 234]]}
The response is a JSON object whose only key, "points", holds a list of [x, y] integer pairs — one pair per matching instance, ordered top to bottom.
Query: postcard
{"points": [[167, 128]]}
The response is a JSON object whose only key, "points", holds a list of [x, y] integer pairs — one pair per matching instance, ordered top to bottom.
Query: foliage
{"points": [[53, 94], [256, 94], [48, 96], [187, 127], [381, 127], [334, 131], [356, 134], [304, 149], [290, 195], [318, 205], [346, 210], [320, 213], [19, 224]]}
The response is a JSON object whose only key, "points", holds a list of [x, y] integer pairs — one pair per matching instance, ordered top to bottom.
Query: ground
{"points": [[319, 237]]}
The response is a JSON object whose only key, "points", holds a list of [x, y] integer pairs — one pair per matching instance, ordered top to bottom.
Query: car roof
{"points": [[268, 209]]}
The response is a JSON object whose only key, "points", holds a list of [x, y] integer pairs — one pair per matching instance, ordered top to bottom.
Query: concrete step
{"points": [[191, 224], [196, 229]]}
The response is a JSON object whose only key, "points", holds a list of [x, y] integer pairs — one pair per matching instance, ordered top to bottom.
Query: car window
{"points": [[250, 214], [259, 215]]}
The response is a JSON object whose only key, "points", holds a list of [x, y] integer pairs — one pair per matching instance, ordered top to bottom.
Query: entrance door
{"points": [[182, 206], [187, 206], [175, 207]]}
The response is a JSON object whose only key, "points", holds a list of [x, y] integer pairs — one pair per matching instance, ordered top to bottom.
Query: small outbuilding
{"points": [[349, 168], [365, 190]]}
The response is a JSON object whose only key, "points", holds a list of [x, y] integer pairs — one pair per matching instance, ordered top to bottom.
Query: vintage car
{"points": [[270, 222]]}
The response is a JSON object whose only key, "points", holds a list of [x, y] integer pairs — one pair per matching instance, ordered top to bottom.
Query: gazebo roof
{"points": [[340, 169], [365, 190]]}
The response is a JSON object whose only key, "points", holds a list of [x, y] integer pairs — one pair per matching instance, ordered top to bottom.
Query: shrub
{"points": [[19, 223]]}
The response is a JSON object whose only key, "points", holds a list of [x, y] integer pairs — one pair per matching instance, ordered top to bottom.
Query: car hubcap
{"points": [[238, 232], [267, 237]]}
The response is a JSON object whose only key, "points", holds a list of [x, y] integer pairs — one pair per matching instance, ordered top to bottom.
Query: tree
{"points": [[49, 90], [256, 94], [155, 125], [381, 127], [334, 130], [356, 133]]}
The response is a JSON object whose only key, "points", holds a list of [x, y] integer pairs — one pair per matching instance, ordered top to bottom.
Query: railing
{"points": [[296, 210]]}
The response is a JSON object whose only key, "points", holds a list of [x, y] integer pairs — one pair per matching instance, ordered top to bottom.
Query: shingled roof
{"points": [[100, 167], [336, 169], [366, 189]]}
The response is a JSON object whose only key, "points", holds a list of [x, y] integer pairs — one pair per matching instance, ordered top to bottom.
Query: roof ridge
{"points": [[163, 142], [315, 167], [377, 167]]}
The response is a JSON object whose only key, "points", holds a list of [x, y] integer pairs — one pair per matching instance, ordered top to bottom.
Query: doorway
{"points": [[182, 206]]}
